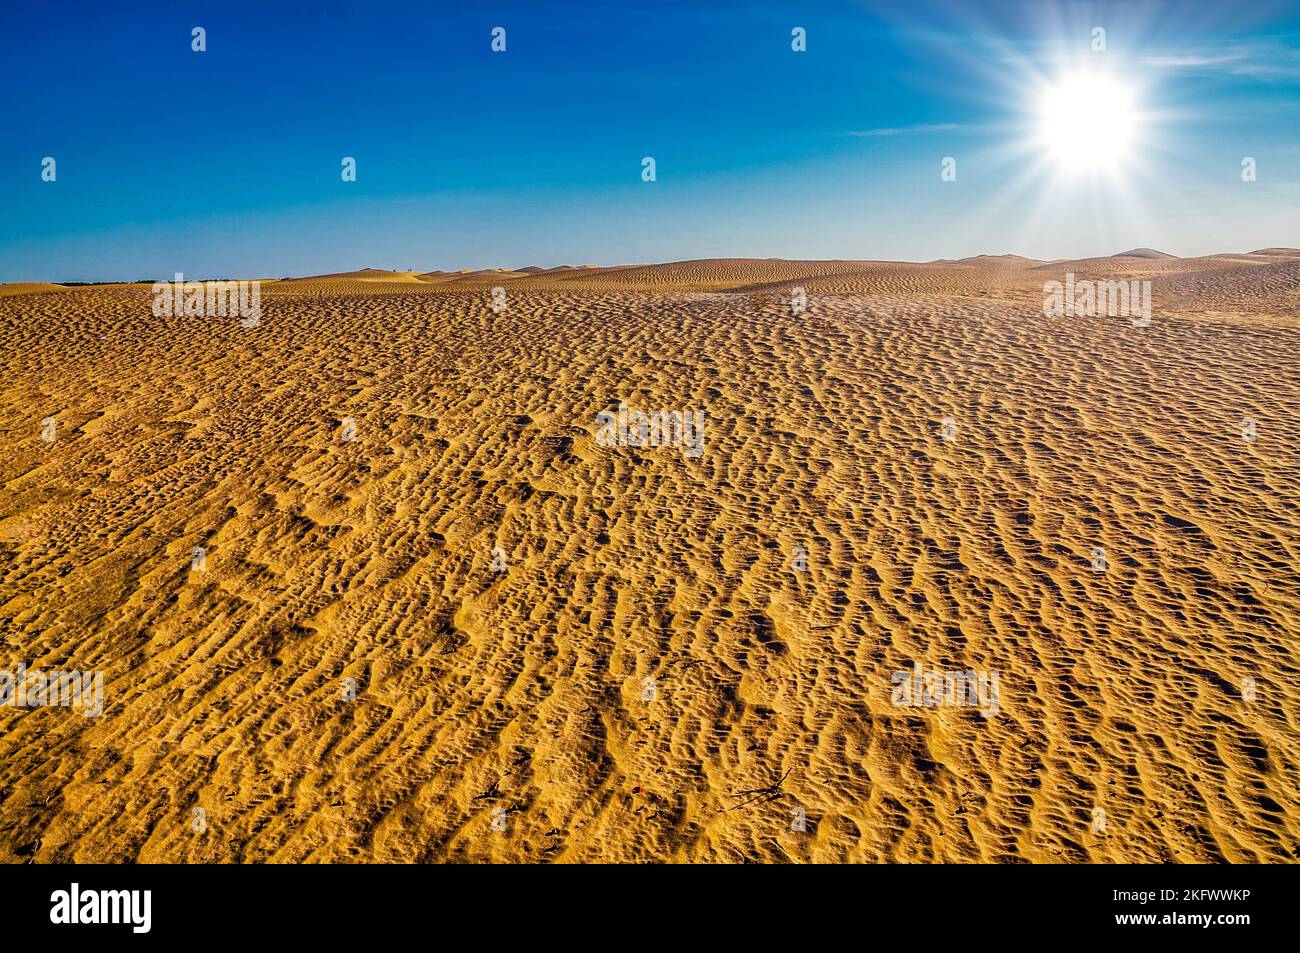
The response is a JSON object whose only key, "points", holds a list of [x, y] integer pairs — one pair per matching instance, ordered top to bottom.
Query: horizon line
{"points": [[1140, 252]]}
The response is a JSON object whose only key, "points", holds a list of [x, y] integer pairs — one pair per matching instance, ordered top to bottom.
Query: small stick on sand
{"points": [[763, 795]]}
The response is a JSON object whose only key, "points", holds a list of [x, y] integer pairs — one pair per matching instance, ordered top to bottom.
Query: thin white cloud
{"points": [[1187, 60], [1269, 60], [907, 130]]}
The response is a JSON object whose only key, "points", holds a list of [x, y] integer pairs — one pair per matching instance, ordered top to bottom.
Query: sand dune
{"points": [[1144, 253], [996, 261], [366, 274], [27, 288], [651, 677]]}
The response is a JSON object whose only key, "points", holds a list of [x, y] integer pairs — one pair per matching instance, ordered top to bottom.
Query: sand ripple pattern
{"points": [[504, 717]]}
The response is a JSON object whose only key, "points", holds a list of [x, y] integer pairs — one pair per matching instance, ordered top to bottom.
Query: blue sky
{"points": [[227, 162]]}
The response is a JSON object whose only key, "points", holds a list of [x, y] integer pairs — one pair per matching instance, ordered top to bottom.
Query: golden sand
{"points": [[650, 678]]}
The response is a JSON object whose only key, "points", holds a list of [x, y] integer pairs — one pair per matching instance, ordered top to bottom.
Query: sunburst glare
{"points": [[1087, 123]]}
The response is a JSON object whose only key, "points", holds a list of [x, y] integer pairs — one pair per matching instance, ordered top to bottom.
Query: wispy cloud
{"points": [[1275, 58], [1263, 60], [1177, 61], [908, 130]]}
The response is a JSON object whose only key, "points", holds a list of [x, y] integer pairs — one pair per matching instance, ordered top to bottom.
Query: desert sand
{"points": [[641, 673]]}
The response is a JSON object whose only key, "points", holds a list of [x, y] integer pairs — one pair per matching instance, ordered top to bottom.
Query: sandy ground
{"points": [[652, 677]]}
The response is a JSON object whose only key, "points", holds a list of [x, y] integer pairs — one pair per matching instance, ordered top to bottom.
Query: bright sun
{"points": [[1087, 124]]}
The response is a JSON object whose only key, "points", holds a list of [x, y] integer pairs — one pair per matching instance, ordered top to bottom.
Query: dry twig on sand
{"points": [[762, 795]]}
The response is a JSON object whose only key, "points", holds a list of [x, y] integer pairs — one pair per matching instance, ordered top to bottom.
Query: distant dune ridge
{"points": [[1145, 253], [738, 273], [366, 274], [27, 288], [391, 575]]}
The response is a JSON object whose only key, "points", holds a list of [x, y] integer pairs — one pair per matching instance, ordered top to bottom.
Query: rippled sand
{"points": [[651, 677]]}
